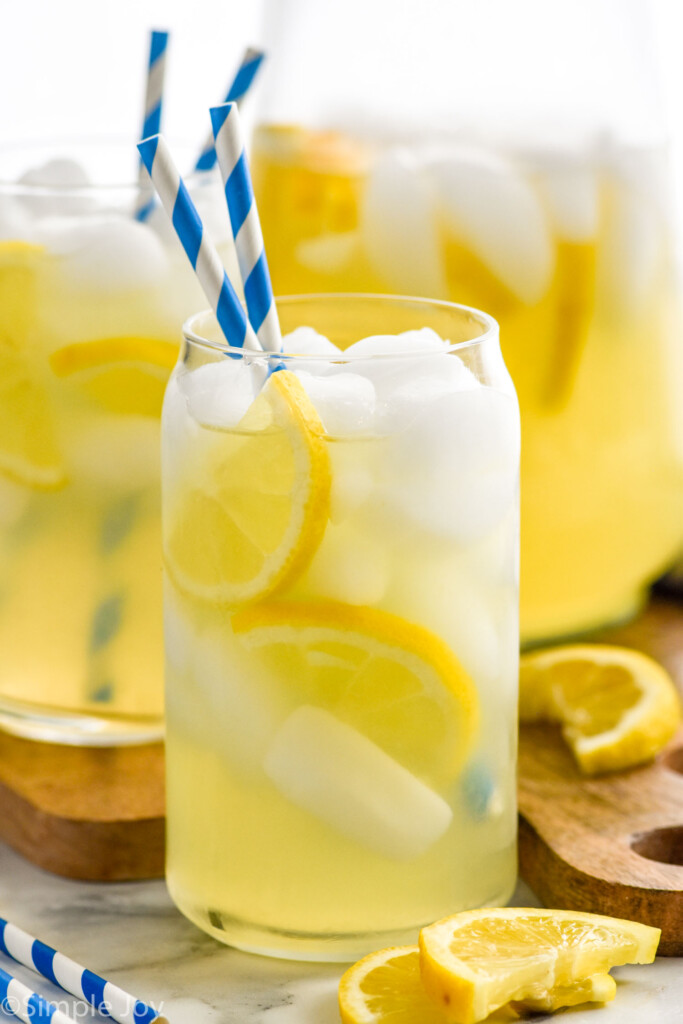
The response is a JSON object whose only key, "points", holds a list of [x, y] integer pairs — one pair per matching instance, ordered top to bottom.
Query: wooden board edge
{"points": [[84, 850], [559, 884]]}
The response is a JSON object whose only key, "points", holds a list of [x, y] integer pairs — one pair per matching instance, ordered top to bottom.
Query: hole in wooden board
{"points": [[674, 760], [662, 844]]}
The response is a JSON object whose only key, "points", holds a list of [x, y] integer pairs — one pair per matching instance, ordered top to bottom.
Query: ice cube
{"points": [[63, 178], [570, 193], [489, 208], [15, 221], [398, 226], [632, 250], [105, 252], [331, 253], [307, 341], [406, 343], [392, 360], [434, 379], [219, 394], [345, 402], [454, 471], [353, 477], [349, 566], [238, 710], [329, 769]]}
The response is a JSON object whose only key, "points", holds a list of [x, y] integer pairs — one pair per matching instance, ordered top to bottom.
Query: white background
{"points": [[76, 67]]}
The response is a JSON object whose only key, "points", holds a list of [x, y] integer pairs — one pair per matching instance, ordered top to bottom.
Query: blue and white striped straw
{"points": [[241, 84], [151, 123], [246, 227], [200, 250], [107, 999], [19, 1000]]}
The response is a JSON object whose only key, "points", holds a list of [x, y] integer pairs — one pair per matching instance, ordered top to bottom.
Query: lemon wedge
{"points": [[125, 375], [29, 452], [254, 521], [396, 683], [617, 707], [475, 962], [386, 988]]}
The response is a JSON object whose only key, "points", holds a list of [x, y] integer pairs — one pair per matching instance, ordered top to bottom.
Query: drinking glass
{"points": [[91, 296], [340, 547]]}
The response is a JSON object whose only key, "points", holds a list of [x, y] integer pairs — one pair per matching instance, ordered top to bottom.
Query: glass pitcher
{"points": [[509, 157]]}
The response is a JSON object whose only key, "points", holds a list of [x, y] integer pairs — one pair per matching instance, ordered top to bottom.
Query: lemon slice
{"points": [[125, 375], [29, 452], [255, 521], [398, 684], [617, 707], [475, 962], [386, 988], [598, 988]]}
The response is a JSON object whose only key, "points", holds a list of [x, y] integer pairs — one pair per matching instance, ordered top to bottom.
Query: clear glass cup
{"points": [[510, 156], [90, 302], [341, 551]]}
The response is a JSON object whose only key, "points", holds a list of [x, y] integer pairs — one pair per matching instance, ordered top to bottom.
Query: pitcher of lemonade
{"points": [[509, 157]]}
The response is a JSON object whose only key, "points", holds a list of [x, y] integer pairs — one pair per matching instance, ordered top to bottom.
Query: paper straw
{"points": [[241, 84], [151, 123], [246, 227], [200, 251], [107, 999], [22, 1002]]}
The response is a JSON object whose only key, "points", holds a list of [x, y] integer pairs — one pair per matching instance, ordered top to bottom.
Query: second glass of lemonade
{"points": [[91, 295], [341, 557]]}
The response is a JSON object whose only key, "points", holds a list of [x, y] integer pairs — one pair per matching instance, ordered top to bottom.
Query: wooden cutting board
{"points": [[95, 813], [98, 813], [612, 844]]}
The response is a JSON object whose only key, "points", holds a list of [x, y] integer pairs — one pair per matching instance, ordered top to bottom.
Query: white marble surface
{"points": [[132, 935]]}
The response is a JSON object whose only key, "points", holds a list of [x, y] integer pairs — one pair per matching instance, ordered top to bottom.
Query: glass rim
{"points": [[93, 143], [485, 320]]}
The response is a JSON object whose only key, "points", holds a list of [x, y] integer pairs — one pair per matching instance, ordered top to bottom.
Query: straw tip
{"points": [[158, 41], [252, 54], [219, 115], [147, 150]]}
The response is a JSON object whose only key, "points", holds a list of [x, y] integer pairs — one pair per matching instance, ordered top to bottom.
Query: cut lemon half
{"points": [[125, 374], [29, 452], [256, 521], [396, 683], [617, 707], [474, 962], [386, 988]]}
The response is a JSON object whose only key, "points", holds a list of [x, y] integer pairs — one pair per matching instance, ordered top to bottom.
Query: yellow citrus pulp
{"points": [[617, 707]]}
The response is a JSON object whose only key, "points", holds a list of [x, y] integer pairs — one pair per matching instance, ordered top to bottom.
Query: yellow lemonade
{"points": [[571, 254], [90, 304], [341, 628]]}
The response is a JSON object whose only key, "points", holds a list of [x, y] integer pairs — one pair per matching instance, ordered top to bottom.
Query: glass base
{"points": [[50, 725], [348, 947]]}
